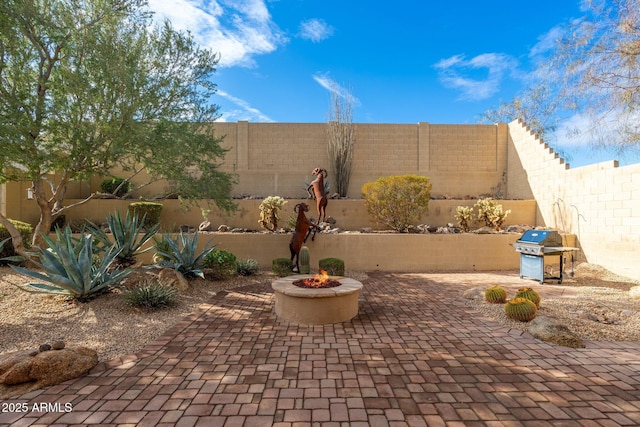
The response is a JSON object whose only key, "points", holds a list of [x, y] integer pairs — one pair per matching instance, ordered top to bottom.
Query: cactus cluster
{"points": [[488, 212], [495, 295], [523, 307], [520, 309]]}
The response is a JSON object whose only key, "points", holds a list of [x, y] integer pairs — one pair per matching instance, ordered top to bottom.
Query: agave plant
{"points": [[127, 236], [182, 254], [9, 258], [67, 268]]}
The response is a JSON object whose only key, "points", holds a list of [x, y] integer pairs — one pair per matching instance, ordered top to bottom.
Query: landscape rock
{"points": [[205, 226], [223, 228], [171, 277], [473, 293], [548, 329], [21, 373]]}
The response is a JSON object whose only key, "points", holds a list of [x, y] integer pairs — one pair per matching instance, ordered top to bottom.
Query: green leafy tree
{"points": [[88, 85]]}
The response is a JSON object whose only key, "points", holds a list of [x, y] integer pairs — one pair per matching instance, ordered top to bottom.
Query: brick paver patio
{"points": [[415, 355]]}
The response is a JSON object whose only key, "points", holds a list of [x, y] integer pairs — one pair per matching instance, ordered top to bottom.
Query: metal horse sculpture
{"points": [[318, 192], [300, 234]]}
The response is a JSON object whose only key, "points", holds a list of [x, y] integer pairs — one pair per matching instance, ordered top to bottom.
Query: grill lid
{"points": [[541, 237]]}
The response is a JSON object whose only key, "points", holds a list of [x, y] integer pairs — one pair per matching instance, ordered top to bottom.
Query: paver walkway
{"points": [[415, 355]]}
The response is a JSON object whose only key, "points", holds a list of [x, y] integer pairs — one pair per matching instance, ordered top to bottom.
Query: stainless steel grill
{"points": [[534, 246]]}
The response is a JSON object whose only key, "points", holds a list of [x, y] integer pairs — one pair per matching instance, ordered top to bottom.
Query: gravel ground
{"points": [[598, 306], [601, 310], [105, 324]]}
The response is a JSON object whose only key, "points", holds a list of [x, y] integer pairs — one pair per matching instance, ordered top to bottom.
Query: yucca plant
{"points": [[127, 236], [182, 254], [247, 267], [67, 268], [151, 295]]}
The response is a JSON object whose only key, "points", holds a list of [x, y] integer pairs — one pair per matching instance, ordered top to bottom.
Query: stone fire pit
{"points": [[316, 306]]}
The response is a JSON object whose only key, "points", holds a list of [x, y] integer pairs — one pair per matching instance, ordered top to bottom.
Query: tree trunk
{"points": [[16, 238]]}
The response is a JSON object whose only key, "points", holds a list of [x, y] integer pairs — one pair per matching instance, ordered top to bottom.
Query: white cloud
{"points": [[237, 29], [315, 30], [546, 42], [461, 74], [324, 80], [245, 112]]}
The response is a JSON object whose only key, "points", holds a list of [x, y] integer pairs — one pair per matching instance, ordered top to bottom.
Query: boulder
{"points": [[171, 277], [473, 293], [550, 330], [25, 371]]}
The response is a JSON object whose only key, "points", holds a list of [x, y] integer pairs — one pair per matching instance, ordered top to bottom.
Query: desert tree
{"points": [[597, 68], [591, 72], [89, 85], [536, 106], [341, 137]]}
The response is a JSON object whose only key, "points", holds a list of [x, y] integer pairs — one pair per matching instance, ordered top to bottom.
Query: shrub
{"points": [[111, 185], [397, 201], [150, 211], [269, 212], [491, 213], [26, 232], [127, 236], [182, 255], [222, 263], [333, 266], [67, 267], [247, 267], [281, 267], [151, 295], [496, 295]]}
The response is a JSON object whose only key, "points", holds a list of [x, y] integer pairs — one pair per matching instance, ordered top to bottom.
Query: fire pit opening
{"points": [[321, 280]]}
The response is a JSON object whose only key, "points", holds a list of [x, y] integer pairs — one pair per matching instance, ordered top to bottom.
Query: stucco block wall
{"points": [[278, 158], [598, 203]]}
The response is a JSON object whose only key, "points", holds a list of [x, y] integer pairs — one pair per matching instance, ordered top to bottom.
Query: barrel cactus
{"points": [[305, 267], [529, 294], [495, 295], [520, 309]]}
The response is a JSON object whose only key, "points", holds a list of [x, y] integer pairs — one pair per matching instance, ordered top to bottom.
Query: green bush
{"points": [[111, 185], [397, 201], [149, 210], [26, 232], [222, 263], [333, 266], [247, 267], [281, 267], [151, 295]]}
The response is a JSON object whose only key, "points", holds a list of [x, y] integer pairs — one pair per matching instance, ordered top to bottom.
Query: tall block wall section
{"points": [[598, 203]]}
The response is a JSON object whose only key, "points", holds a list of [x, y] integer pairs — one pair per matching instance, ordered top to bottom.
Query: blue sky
{"points": [[403, 62]]}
